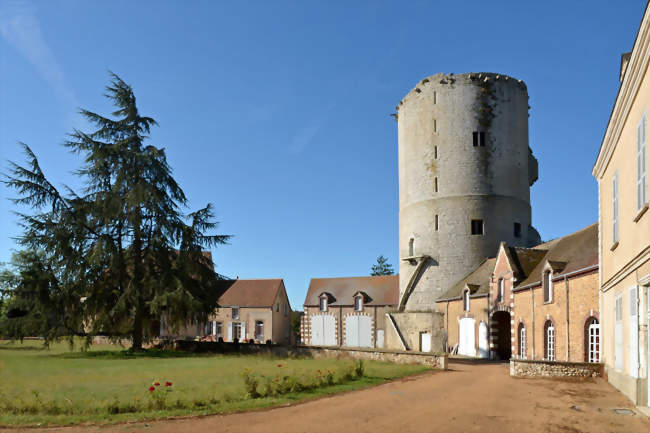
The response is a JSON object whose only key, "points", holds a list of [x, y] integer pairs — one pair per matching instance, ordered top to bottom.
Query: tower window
{"points": [[435, 98], [435, 125], [478, 138], [435, 152], [435, 184], [436, 223], [477, 227], [517, 230], [411, 253]]}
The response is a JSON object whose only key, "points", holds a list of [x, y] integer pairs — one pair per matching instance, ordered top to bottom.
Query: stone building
{"points": [[621, 170], [465, 171], [530, 303], [253, 309], [348, 311]]}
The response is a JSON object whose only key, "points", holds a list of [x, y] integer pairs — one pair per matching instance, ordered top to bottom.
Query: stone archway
{"points": [[500, 332]]}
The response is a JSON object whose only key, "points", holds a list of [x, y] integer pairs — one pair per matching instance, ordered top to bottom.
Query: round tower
{"points": [[465, 171]]}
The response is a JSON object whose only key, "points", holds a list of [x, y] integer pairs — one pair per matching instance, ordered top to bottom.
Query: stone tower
{"points": [[465, 171]]}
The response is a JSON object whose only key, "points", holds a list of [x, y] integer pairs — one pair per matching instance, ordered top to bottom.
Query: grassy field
{"points": [[106, 384]]}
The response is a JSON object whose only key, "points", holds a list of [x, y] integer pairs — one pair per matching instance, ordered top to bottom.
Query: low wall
{"points": [[399, 357], [531, 368]]}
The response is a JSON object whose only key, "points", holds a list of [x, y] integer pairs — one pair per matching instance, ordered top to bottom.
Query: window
{"points": [[435, 97], [435, 125], [478, 138], [435, 152], [641, 172], [435, 184], [615, 208], [436, 223], [477, 227], [517, 230], [411, 253], [548, 286], [502, 290], [466, 300], [323, 303], [358, 303], [277, 308], [285, 309], [235, 313], [219, 330], [259, 330], [236, 331], [633, 337], [593, 340], [522, 341], [550, 341]]}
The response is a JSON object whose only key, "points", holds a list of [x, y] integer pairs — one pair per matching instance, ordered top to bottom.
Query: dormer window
{"points": [[547, 284], [502, 290], [466, 300], [323, 303], [358, 303], [235, 313]]}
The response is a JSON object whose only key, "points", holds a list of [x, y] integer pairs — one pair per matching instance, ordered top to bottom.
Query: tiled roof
{"points": [[567, 254], [478, 282], [379, 290], [249, 293]]}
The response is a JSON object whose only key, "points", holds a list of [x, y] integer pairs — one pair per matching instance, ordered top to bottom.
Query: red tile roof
{"points": [[380, 290], [249, 293]]}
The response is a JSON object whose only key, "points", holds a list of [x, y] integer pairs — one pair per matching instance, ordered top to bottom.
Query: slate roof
{"points": [[567, 254], [478, 282], [379, 290], [249, 293]]}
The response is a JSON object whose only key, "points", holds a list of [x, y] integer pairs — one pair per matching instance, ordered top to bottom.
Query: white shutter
{"points": [[229, 331], [243, 332], [618, 334], [634, 334]]}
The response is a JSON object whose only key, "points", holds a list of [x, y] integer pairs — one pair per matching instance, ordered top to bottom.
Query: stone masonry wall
{"points": [[525, 368]]}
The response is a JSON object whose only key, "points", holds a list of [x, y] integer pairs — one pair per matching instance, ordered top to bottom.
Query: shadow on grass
{"points": [[22, 348], [128, 354]]}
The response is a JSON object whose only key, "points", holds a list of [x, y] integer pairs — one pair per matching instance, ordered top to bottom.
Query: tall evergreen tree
{"points": [[121, 249], [382, 267]]}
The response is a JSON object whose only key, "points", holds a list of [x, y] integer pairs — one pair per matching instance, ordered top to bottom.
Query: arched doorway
{"points": [[501, 335]]}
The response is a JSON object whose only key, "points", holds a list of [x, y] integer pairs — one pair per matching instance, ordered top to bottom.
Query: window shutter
{"points": [[230, 331], [243, 331]]}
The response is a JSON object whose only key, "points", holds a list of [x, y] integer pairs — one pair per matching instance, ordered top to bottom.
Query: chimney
{"points": [[625, 60]]}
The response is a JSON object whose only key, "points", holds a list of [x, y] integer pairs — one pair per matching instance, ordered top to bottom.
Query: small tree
{"points": [[382, 267]]}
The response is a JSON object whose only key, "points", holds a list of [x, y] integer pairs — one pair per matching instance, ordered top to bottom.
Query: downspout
{"points": [[566, 289], [532, 300], [340, 325], [375, 327]]}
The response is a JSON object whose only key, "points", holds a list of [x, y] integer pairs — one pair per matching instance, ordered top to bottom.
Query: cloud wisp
{"points": [[20, 28]]}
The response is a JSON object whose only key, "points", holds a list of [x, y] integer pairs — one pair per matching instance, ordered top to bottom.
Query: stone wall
{"points": [[411, 324], [436, 360], [526, 368]]}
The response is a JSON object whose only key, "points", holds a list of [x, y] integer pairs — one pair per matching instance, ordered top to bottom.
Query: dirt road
{"points": [[468, 398]]}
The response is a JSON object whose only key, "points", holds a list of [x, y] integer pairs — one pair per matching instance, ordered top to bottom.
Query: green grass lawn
{"points": [[106, 384]]}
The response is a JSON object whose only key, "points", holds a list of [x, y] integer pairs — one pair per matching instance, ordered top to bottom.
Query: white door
{"points": [[329, 330], [358, 331], [634, 334], [317, 337], [380, 338], [425, 342], [466, 342], [594, 342], [483, 351]]}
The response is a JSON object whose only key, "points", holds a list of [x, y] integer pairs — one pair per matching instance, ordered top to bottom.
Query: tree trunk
{"points": [[136, 344]]}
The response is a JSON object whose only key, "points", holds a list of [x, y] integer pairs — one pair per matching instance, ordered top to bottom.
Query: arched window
{"points": [[411, 249], [548, 286], [502, 290], [466, 300], [323, 303], [358, 303], [592, 340], [522, 341], [549, 341]]}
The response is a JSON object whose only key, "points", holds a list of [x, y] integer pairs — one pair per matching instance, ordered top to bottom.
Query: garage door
{"points": [[323, 330], [358, 331], [466, 341], [483, 351]]}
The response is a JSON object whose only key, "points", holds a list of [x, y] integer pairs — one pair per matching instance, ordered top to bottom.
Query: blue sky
{"points": [[278, 112]]}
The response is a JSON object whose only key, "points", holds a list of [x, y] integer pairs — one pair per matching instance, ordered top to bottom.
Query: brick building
{"points": [[531, 303], [349, 312]]}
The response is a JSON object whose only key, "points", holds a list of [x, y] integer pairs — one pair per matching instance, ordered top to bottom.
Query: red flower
{"points": [[279, 365], [318, 371], [276, 379], [157, 384], [168, 384], [152, 389]]}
